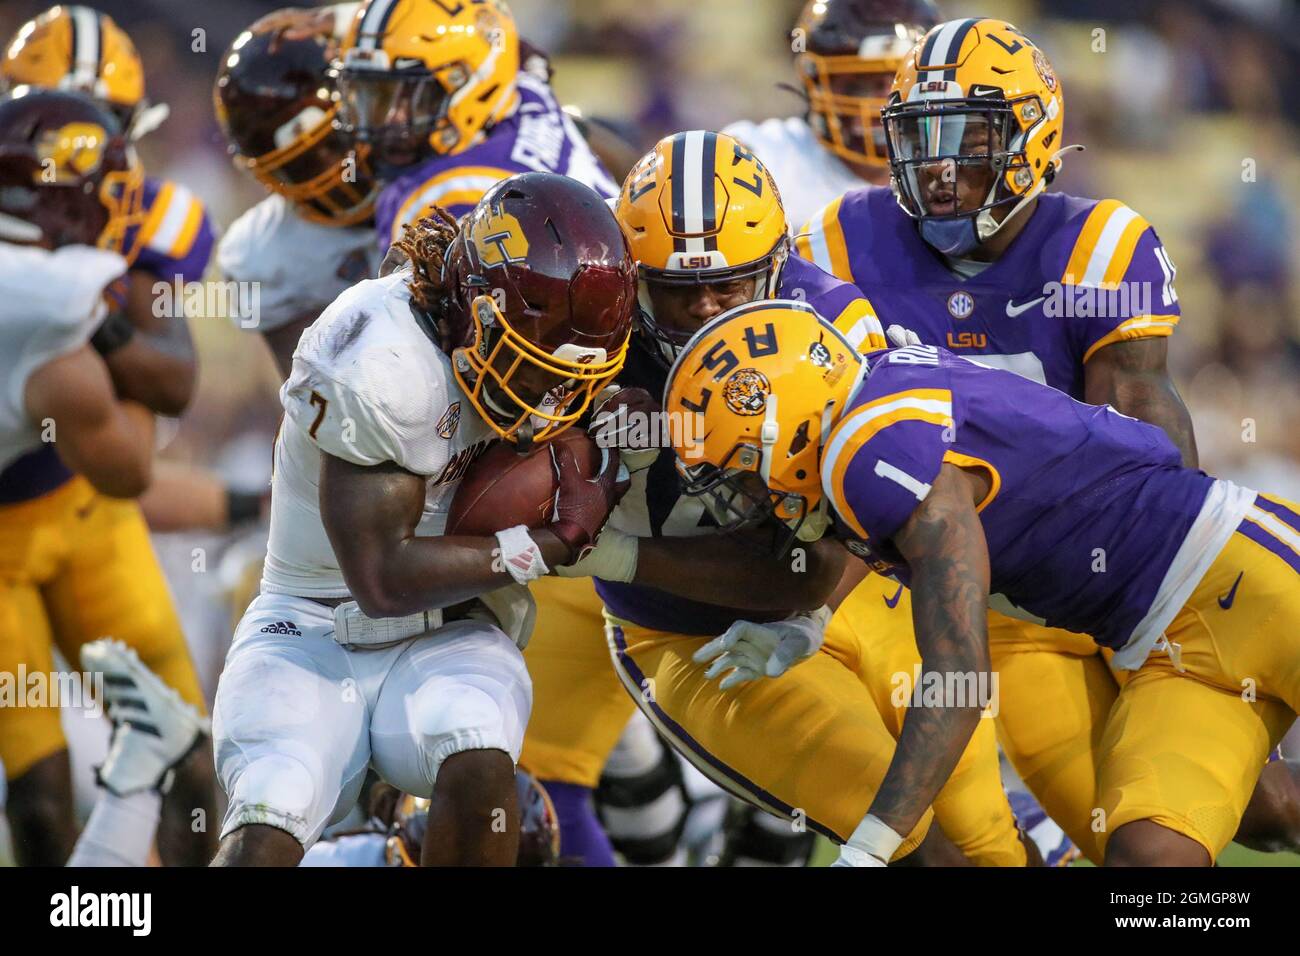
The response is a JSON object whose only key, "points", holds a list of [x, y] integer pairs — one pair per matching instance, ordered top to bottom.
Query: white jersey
{"points": [[808, 174], [299, 266], [50, 304], [368, 386]]}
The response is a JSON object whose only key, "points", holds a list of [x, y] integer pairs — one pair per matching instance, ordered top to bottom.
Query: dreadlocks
{"points": [[424, 244]]}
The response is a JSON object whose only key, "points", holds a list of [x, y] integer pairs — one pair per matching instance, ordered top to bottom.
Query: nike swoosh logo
{"points": [[1014, 310], [893, 602], [1225, 602]]}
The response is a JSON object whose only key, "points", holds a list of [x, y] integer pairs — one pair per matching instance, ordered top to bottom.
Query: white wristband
{"points": [[521, 555], [876, 837]]}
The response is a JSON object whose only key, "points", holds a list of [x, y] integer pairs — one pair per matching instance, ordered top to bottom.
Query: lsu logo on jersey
{"points": [[72, 150], [499, 238], [967, 340]]}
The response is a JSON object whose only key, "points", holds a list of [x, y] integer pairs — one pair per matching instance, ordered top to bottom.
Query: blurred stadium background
{"points": [[1183, 106]]}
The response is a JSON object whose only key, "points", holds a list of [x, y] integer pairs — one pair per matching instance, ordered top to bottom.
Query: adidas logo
{"points": [[282, 627]]}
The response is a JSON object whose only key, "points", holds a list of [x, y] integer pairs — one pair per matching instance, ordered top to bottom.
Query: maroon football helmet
{"points": [[852, 49], [276, 102], [68, 173], [542, 289]]}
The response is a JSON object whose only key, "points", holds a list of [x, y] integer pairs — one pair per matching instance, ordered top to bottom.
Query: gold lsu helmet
{"points": [[74, 47], [848, 53], [425, 76], [974, 94], [700, 209], [766, 381]]}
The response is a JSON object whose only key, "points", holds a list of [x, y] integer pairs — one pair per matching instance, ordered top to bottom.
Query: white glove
{"points": [[899, 336], [613, 558], [751, 650], [850, 856]]}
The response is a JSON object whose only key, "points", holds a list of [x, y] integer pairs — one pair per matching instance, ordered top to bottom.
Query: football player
{"points": [[72, 47], [846, 55], [437, 94], [447, 103], [277, 105], [706, 225], [168, 239], [972, 253], [976, 486], [77, 562], [376, 639]]}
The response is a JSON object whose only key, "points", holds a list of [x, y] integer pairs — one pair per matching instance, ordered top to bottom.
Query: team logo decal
{"points": [[1045, 70], [75, 149], [499, 238], [961, 305], [819, 355], [745, 391], [450, 421], [859, 549]]}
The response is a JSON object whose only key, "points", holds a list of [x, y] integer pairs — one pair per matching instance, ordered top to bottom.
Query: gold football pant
{"points": [[76, 566], [1054, 693], [579, 707], [1192, 728], [813, 745]]}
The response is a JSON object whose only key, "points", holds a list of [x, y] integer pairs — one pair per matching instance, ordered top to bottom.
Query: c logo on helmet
{"points": [[76, 149], [499, 238], [745, 391]]}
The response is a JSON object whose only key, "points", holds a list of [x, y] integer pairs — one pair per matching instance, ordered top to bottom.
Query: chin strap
{"points": [[148, 120], [985, 219]]}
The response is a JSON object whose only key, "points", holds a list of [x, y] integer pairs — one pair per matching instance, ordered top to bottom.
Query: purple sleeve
{"points": [[191, 265], [1142, 304], [886, 477]]}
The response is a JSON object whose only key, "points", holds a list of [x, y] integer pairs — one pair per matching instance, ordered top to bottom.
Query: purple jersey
{"points": [[536, 137], [177, 236], [1081, 275], [656, 506], [1087, 507]]}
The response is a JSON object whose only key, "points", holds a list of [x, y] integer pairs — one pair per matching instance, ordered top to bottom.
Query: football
{"points": [[503, 488]]}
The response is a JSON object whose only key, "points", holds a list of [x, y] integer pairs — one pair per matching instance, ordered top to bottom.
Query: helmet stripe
{"points": [[373, 23], [86, 46], [945, 46], [708, 160], [693, 190], [679, 192]]}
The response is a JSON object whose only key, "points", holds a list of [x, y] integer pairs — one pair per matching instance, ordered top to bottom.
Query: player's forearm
{"points": [[158, 371], [1133, 377], [1155, 399], [943, 543], [726, 569], [420, 573]]}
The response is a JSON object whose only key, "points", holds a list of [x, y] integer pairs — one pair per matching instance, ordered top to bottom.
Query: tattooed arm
{"points": [[1132, 378], [943, 544]]}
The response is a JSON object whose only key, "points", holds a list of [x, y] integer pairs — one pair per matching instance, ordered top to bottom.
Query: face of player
{"points": [[394, 116], [862, 126], [949, 185], [680, 310], [532, 386]]}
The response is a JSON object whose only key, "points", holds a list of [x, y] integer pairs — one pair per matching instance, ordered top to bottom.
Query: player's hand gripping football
{"points": [[612, 424], [582, 505], [750, 650]]}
